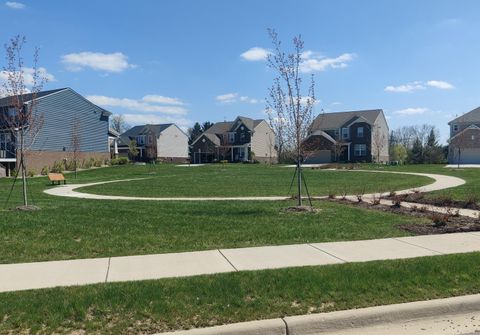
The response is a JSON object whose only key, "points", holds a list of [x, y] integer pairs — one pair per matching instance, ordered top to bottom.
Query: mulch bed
{"points": [[438, 201], [454, 223]]}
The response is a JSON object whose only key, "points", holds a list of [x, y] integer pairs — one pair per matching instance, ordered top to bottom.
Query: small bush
{"points": [[119, 161], [98, 162], [70, 165], [57, 167], [45, 171], [31, 173], [392, 193], [331, 195], [375, 200], [445, 200], [396, 201], [471, 201], [423, 209], [440, 220]]}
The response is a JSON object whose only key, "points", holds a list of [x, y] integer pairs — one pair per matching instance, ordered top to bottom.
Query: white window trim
{"points": [[345, 133], [358, 133], [359, 152]]}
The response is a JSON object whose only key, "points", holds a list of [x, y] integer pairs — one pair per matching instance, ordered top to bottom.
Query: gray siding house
{"points": [[60, 109], [355, 136], [464, 142]]}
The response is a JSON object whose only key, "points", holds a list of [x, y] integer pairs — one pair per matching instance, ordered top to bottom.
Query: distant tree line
{"points": [[197, 130], [417, 145]]}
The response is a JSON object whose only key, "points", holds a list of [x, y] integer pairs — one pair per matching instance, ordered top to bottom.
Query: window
{"points": [[455, 127], [360, 132], [345, 133], [231, 137], [140, 140], [360, 150]]}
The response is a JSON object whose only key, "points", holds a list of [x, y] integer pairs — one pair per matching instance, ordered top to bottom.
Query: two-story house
{"points": [[61, 110], [356, 136], [235, 141], [160, 142], [464, 142]]}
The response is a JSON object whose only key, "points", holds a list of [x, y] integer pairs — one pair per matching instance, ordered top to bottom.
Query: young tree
{"points": [[290, 112], [22, 119], [118, 123], [75, 142], [338, 147], [133, 150], [398, 153]]}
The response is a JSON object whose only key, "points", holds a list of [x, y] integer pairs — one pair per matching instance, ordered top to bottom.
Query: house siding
{"points": [[60, 110], [172, 143], [263, 143]]}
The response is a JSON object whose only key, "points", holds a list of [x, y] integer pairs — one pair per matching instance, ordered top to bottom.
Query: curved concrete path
{"points": [[440, 182]]}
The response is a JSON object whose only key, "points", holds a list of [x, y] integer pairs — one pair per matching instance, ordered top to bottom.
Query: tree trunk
{"points": [[24, 172], [299, 176]]}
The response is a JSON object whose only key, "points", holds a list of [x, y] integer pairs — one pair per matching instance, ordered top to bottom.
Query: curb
{"points": [[343, 320]]}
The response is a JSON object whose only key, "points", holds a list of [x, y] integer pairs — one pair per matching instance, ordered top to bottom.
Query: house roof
{"points": [[7, 101], [472, 116], [337, 119], [471, 127], [219, 128], [156, 129]]}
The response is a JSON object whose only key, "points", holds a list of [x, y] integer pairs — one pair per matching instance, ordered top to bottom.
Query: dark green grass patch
{"points": [[153, 306]]}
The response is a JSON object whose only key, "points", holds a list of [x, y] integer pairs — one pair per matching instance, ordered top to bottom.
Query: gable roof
{"points": [[7, 101], [472, 116], [337, 119], [471, 127], [219, 128], [156, 129]]}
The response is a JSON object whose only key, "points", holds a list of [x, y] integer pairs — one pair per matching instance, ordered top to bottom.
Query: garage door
{"points": [[470, 156], [320, 157]]}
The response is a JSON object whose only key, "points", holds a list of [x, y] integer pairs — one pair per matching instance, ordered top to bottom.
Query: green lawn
{"points": [[244, 180], [67, 228], [153, 306]]}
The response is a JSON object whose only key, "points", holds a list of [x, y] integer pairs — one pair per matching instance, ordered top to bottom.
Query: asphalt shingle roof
{"points": [[7, 101], [472, 116], [337, 119], [156, 129]]}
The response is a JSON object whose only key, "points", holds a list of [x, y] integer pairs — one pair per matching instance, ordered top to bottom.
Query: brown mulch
{"points": [[437, 201], [454, 223]]}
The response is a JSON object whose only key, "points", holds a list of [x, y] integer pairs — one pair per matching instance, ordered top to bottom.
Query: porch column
{"points": [[231, 151], [348, 158]]}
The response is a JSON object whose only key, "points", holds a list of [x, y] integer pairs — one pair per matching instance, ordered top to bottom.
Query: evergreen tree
{"points": [[206, 125], [194, 132], [433, 151], [416, 154]]}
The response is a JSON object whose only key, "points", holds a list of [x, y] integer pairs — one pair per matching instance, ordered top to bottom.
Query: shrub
{"points": [[119, 161], [98, 162], [70, 165], [57, 167], [45, 170], [31, 173], [392, 193], [360, 194], [331, 195], [375, 200], [445, 200], [397, 201], [471, 201], [423, 209], [440, 220]]}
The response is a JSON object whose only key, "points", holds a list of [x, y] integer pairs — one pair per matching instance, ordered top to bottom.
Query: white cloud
{"points": [[14, 5], [255, 54], [313, 61], [113, 62], [28, 73], [419, 85], [443, 85], [406, 88], [235, 97], [226, 98], [159, 99], [136, 105], [411, 111]]}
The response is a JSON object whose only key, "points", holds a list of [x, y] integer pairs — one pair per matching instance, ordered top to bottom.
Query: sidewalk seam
{"points": [[419, 246], [326, 252], [233, 266], [108, 269]]}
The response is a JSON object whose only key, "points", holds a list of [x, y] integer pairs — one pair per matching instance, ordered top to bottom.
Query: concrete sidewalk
{"points": [[25, 276]]}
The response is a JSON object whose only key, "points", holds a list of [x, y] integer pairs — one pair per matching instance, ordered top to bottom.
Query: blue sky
{"points": [[186, 61]]}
